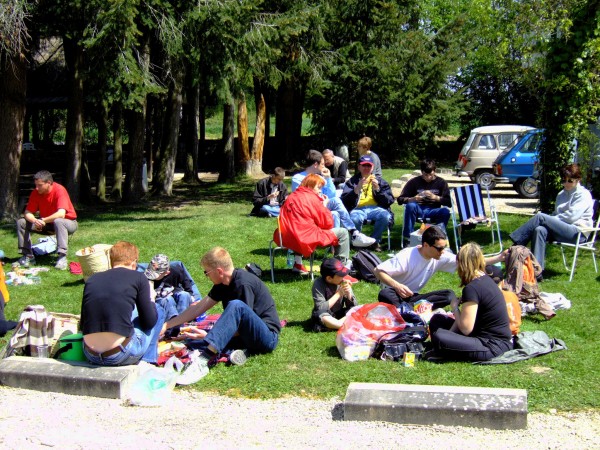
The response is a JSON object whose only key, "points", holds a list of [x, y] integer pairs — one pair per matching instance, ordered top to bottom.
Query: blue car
{"points": [[516, 164]]}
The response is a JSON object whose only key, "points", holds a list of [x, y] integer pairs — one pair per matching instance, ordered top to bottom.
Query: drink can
{"points": [[409, 359]]}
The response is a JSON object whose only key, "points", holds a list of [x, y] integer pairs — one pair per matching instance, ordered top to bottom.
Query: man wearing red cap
{"points": [[369, 197]]}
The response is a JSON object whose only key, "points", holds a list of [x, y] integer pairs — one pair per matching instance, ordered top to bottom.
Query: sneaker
{"points": [[360, 240], [26, 260], [61, 263], [299, 268], [350, 279], [238, 357], [193, 371]]}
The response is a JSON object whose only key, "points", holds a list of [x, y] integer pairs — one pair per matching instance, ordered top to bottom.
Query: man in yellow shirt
{"points": [[369, 197]]}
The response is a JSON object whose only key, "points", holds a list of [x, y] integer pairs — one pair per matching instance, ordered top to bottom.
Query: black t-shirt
{"points": [[415, 185], [177, 279], [252, 291], [109, 298], [491, 322]]}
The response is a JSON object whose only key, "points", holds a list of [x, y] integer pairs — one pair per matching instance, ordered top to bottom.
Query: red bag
{"points": [[363, 327]]}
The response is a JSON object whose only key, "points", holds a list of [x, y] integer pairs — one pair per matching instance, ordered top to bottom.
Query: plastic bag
{"points": [[45, 246], [363, 327], [154, 384]]}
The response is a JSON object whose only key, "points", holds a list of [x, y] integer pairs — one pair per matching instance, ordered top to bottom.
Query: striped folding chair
{"points": [[468, 211]]}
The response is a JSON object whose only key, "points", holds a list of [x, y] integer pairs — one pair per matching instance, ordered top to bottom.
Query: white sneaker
{"points": [[360, 240], [238, 357], [194, 371]]}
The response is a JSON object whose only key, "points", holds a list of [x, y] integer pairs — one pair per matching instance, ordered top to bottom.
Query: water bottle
{"points": [[290, 259]]}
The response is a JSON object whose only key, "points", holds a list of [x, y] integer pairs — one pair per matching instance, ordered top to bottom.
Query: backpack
{"points": [[364, 263], [513, 307]]}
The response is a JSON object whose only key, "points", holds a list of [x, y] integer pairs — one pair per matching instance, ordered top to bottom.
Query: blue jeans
{"points": [[273, 210], [413, 210], [340, 214], [377, 214], [542, 228], [168, 305], [254, 334], [142, 346]]}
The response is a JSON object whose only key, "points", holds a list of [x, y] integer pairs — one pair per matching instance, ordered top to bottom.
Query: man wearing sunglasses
{"points": [[424, 197], [574, 209], [407, 273]]}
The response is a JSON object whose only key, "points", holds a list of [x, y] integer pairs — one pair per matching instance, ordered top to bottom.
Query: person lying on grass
{"points": [[332, 295], [249, 322]]}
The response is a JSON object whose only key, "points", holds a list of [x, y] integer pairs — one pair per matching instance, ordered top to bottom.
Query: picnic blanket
{"points": [[528, 344]]}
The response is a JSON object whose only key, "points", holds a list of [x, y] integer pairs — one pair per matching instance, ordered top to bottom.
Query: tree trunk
{"points": [[13, 87], [190, 114], [288, 125], [74, 129], [243, 148], [256, 155], [101, 161], [227, 171], [165, 173], [117, 187], [134, 187]]}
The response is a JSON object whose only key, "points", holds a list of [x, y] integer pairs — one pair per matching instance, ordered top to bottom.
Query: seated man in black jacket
{"points": [[269, 195], [368, 197]]}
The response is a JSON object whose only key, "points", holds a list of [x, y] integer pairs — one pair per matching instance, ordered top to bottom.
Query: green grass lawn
{"points": [[307, 364]]}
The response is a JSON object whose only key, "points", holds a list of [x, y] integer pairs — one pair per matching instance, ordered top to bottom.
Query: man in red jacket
{"points": [[56, 216]]}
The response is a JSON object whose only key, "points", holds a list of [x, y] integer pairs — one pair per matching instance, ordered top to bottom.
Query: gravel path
{"points": [[36, 420]]}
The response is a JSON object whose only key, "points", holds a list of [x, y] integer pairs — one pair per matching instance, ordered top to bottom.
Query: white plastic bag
{"points": [[154, 384]]}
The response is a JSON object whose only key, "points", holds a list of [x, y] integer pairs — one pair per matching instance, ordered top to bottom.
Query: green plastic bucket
{"points": [[70, 347]]}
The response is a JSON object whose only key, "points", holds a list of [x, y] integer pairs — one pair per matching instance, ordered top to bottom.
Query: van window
{"points": [[504, 140], [487, 142]]}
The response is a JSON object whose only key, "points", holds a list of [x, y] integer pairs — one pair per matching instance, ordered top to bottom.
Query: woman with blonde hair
{"points": [[480, 329]]}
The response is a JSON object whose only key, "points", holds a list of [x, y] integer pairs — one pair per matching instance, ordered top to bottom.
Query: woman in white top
{"points": [[574, 208]]}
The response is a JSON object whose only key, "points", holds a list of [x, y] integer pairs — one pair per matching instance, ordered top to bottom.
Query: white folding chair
{"points": [[468, 208], [589, 244]]}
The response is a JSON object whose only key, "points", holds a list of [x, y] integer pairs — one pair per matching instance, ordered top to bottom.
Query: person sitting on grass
{"points": [[269, 194], [305, 224], [171, 280], [332, 295], [119, 320], [249, 322], [480, 328]]}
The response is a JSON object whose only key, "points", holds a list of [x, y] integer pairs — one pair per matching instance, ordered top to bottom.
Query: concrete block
{"points": [[68, 377], [495, 408]]}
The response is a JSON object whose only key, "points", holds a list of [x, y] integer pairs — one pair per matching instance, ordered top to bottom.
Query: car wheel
{"points": [[485, 179], [527, 187]]}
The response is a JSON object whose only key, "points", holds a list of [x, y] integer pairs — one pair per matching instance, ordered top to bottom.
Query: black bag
{"points": [[364, 263], [254, 269], [410, 339]]}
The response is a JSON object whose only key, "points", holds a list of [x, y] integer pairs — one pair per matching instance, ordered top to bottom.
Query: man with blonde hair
{"points": [[249, 323]]}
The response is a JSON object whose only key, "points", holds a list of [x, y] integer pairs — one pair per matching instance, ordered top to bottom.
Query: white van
{"points": [[477, 156]]}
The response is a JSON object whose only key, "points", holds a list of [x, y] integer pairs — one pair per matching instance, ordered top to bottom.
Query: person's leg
{"points": [[335, 204], [272, 210], [412, 210], [437, 215], [358, 216], [381, 218], [336, 219], [63, 228], [24, 229], [523, 234], [538, 244], [342, 250], [390, 296], [439, 299], [183, 300], [168, 305], [239, 317], [440, 321], [152, 336], [455, 346]]}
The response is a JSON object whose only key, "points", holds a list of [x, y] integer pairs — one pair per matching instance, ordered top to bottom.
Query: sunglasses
{"points": [[568, 180], [439, 249], [206, 272]]}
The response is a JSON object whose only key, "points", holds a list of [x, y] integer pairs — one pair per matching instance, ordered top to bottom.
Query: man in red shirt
{"points": [[56, 216]]}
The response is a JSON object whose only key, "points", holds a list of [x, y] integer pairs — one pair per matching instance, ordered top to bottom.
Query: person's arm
{"points": [[329, 188], [409, 192], [283, 193], [349, 195], [383, 195], [260, 196], [444, 197], [579, 204], [60, 214], [38, 224], [501, 257], [402, 290], [145, 305], [194, 310], [465, 317]]}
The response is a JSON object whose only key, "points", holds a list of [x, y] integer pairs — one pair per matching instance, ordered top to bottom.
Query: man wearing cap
{"points": [[315, 163], [369, 197], [424, 197], [171, 280], [332, 295]]}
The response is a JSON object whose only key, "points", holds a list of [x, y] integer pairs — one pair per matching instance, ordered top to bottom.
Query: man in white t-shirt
{"points": [[410, 269]]}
